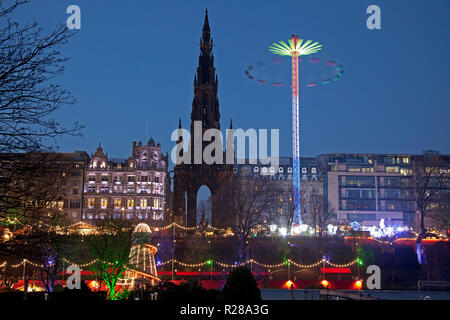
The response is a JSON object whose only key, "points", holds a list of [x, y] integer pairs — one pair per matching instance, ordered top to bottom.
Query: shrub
{"points": [[241, 285]]}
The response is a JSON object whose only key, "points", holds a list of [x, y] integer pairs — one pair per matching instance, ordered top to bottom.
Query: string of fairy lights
{"points": [[169, 226], [185, 228], [209, 262]]}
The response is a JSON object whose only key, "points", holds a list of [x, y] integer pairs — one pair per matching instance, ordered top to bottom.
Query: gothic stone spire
{"points": [[205, 106]]}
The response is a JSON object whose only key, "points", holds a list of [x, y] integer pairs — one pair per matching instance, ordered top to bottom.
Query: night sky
{"points": [[134, 62]]}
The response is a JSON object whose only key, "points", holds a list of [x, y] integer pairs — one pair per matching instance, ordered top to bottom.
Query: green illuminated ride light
{"points": [[300, 46]]}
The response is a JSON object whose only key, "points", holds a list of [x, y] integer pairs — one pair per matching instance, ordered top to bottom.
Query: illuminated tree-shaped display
{"points": [[142, 262]]}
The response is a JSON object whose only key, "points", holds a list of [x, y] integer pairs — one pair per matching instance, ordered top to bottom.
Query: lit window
{"points": [[94, 165], [103, 165], [351, 168], [392, 169], [405, 172], [91, 202], [103, 202], [117, 203], [130, 203], [143, 203], [156, 203]]}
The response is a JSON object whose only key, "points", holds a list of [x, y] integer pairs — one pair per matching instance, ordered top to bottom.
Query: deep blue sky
{"points": [[134, 61]]}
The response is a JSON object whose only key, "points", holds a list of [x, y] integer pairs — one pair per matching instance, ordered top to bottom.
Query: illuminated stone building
{"points": [[72, 189], [135, 189], [312, 193]]}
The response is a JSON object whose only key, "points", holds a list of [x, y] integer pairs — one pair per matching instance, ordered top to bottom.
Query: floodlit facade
{"points": [[134, 189], [312, 192]]}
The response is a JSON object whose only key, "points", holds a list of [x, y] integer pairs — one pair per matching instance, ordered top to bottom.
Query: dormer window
{"points": [[94, 165], [103, 165], [256, 169], [280, 170], [289, 170], [304, 170], [313, 170]]}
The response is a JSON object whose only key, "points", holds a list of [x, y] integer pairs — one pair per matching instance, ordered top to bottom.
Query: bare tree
{"points": [[29, 61], [429, 177], [30, 180], [31, 199], [254, 204], [289, 207], [321, 212], [439, 212], [50, 253]]}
